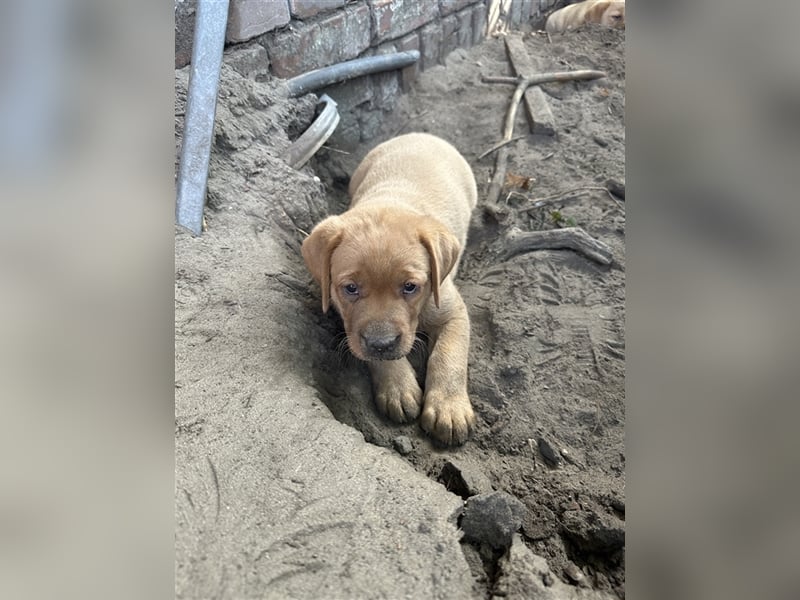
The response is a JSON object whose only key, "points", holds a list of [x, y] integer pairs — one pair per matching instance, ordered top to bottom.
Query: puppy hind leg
{"points": [[396, 390]]}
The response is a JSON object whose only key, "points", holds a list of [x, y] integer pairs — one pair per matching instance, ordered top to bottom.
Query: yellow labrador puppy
{"points": [[605, 12], [387, 266]]}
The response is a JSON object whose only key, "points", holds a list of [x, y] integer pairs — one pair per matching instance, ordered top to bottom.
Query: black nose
{"points": [[380, 345]]}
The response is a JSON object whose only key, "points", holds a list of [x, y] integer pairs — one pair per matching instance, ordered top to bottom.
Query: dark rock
{"points": [[616, 187], [403, 444], [549, 454], [464, 480], [618, 505], [492, 518], [539, 523], [593, 531]]}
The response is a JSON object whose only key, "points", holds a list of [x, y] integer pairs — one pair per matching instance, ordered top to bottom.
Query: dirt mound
{"points": [[548, 340], [547, 362]]}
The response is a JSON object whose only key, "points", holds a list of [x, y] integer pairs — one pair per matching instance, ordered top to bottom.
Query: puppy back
{"points": [[419, 172]]}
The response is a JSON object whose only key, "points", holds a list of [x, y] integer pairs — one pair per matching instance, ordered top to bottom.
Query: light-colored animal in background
{"points": [[605, 12], [498, 17], [387, 265]]}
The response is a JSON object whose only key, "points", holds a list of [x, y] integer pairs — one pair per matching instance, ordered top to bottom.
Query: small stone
{"points": [[616, 187], [403, 445], [550, 454], [464, 480], [618, 505], [492, 518], [539, 523], [593, 531], [572, 571], [524, 574]]}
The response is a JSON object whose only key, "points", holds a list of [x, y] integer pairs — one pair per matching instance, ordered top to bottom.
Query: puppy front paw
{"points": [[398, 394], [448, 419]]}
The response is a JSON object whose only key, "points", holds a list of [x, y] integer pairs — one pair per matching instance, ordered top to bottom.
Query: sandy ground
{"points": [[547, 362]]}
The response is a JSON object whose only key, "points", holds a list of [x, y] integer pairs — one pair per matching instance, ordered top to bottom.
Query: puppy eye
{"points": [[410, 288], [351, 289]]}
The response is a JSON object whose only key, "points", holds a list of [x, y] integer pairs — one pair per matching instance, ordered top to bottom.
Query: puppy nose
{"points": [[380, 344]]}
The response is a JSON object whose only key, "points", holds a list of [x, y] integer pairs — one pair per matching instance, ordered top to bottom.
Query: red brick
{"points": [[450, 6], [302, 9], [527, 10], [515, 15], [250, 18], [394, 18], [478, 23], [184, 31], [464, 34], [343, 35], [430, 38], [449, 39], [249, 60], [410, 73], [386, 84], [387, 89]]}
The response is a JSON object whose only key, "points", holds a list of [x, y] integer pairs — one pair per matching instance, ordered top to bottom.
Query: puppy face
{"points": [[610, 14], [379, 269]]}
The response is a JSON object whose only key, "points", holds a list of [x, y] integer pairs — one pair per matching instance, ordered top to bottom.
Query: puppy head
{"points": [[610, 14], [379, 269]]}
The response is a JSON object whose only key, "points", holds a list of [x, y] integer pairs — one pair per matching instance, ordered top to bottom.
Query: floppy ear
{"points": [[595, 12], [317, 249], [443, 249]]}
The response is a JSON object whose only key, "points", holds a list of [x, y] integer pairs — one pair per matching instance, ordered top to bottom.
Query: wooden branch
{"points": [[540, 78], [500, 79], [499, 145], [502, 156], [501, 159], [499, 175], [539, 202], [573, 238]]}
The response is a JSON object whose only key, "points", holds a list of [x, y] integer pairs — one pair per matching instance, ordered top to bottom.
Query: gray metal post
{"points": [[211, 21]]}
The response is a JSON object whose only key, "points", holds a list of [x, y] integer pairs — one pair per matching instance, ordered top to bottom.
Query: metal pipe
{"points": [[211, 21], [319, 78], [312, 139]]}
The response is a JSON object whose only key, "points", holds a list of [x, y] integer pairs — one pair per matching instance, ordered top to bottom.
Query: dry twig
{"points": [[540, 78], [508, 129], [499, 145], [539, 202], [573, 238]]}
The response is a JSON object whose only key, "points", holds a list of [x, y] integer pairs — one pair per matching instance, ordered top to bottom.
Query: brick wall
{"points": [[327, 31], [302, 35]]}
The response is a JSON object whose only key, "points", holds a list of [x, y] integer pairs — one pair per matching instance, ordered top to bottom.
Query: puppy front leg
{"points": [[396, 390], [447, 412]]}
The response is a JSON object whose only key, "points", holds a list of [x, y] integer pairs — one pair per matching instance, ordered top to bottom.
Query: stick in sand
{"points": [[508, 129]]}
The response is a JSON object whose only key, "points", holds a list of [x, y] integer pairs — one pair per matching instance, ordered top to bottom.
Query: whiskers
{"points": [[420, 345], [344, 357], [418, 357]]}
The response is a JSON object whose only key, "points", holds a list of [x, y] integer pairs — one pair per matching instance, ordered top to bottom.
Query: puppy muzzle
{"points": [[380, 342]]}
